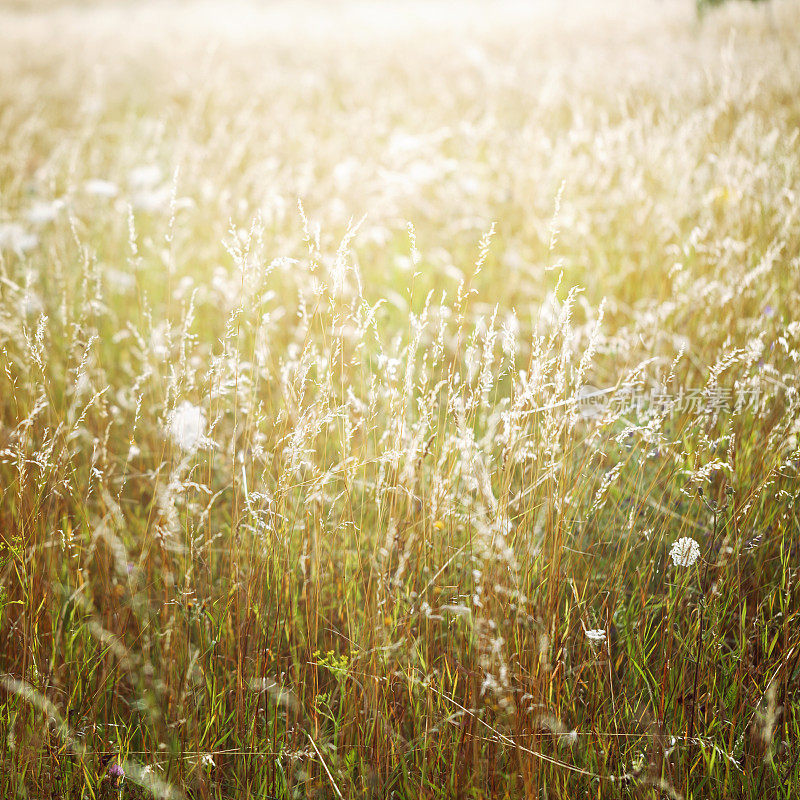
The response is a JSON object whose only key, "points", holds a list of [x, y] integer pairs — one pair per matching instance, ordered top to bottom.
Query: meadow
{"points": [[399, 401]]}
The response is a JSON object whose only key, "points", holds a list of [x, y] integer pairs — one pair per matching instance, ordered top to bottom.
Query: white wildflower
{"points": [[100, 188], [187, 427], [684, 552], [595, 635], [207, 761]]}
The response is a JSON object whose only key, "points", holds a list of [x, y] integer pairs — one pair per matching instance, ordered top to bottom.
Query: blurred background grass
{"points": [[375, 574]]}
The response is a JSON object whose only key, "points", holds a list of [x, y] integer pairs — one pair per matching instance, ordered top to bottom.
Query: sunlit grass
{"points": [[399, 403]]}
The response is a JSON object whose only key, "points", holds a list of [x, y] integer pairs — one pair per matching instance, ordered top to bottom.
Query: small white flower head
{"points": [[100, 188], [187, 427], [684, 552], [595, 635]]}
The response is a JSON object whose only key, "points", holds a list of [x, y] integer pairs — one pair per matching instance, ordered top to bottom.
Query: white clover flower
{"points": [[187, 427], [684, 552], [595, 635]]}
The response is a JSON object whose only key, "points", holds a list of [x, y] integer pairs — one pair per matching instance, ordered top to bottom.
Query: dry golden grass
{"points": [[363, 368]]}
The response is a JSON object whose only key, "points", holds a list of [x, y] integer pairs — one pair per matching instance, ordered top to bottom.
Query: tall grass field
{"points": [[399, 400]]}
